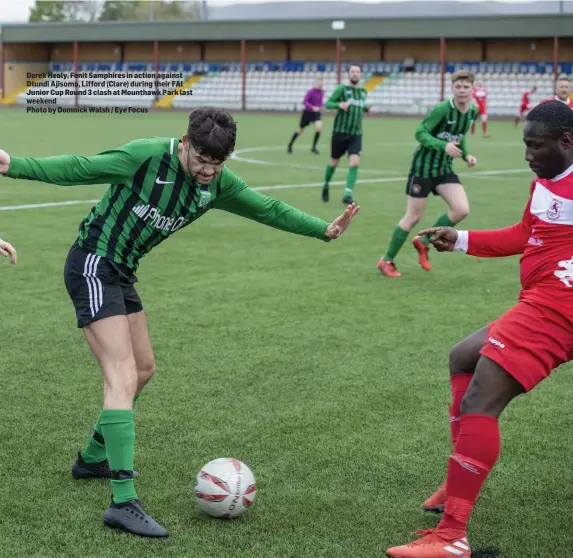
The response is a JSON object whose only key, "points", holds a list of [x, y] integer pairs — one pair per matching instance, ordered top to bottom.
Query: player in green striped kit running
{"points": [[350, 101], [442, 138], [158, 186]]}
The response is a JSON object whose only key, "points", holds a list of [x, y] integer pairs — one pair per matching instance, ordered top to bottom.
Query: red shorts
{"points": [[481, 108], [523, 108], [529, 341]]}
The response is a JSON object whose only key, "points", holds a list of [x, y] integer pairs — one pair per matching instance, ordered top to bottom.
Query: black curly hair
{"points": [[212, 131]]}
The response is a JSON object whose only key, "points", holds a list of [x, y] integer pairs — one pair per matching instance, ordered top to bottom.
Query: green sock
{"points": [[329, 172], [350, 180], [442, 221], [399, 236], [119, 432], [94, 451]]}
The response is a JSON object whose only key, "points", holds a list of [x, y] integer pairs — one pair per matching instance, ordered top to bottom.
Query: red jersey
{"points": [[480, 95], [525, 100], [568, 102], [544, 237]]}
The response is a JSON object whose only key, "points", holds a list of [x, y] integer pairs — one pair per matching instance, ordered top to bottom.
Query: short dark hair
{"points": [[352, 65], [464, 75], [564, 77], [555, 115], [212, 131]]}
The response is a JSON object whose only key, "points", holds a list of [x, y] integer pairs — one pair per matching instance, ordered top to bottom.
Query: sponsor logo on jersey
{"points": [[451, 137], [554, 210], [153, 218], [535, 240], [565, 275]]}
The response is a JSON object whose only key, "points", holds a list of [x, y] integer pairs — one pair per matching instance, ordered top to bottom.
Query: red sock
{"points": [[484, 127], [460, 384], [475, 455]]}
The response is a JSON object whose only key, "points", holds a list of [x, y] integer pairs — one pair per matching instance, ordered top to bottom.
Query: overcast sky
{"points": [[18, 10]]}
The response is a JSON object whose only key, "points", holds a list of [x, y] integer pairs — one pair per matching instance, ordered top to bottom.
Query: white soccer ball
{"points": [[225, 488]]}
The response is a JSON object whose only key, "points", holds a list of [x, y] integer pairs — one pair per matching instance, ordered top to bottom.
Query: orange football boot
{"points": [[423, 253], [388, 268], [435, 503], [432, 545]]}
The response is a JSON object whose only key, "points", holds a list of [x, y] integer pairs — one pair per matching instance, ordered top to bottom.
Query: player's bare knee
{"points": [[334, 162], [460, 213], [410, 220], [458, 359], [145, 372], [121, 380]]}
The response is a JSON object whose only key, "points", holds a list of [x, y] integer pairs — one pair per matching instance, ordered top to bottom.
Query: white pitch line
{"points": [[236, 156], [479, 174], [52, 204]]}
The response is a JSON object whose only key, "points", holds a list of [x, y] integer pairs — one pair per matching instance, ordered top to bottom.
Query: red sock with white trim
{"points": [[460, 384], [475, 455]]}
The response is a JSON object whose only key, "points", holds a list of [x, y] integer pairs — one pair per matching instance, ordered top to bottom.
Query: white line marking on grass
{"points": [[236, 156], [477, 175], [52, 204]]}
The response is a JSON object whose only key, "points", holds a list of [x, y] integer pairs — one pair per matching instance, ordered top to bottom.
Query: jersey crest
{"points": [[554, 210]]}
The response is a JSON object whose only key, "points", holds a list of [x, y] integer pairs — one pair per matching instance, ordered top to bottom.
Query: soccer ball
{"points": [[225, 488]]}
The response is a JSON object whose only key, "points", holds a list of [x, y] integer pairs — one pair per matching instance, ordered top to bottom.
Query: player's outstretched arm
{"points": [[71, 170], [279, 215], [498, 243], [7, 250]]}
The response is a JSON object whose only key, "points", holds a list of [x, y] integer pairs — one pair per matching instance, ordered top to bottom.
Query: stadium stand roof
{"points": [[325, 10], [460, 27]]}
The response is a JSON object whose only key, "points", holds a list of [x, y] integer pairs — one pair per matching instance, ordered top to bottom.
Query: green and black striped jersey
{"points": [[348, 121], [445, 123], [151, 197]]}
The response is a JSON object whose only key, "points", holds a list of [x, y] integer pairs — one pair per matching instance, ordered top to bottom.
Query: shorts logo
{"points": [[554, 210], [565, 275], [496, 343]]}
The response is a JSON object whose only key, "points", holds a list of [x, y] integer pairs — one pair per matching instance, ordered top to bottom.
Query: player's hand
{"points": [[344, 105], [316, 109], [371, 109], [453, 150], [471, 161], [4, 162], [340, 224], [443, 238], [6, 249]]}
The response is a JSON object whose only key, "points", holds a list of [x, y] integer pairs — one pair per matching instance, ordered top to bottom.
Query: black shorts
{"points": [[307, 117], [345, 143], [418, 187], [98, 287]]}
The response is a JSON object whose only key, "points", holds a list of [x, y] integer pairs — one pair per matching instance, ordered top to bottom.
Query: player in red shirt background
{"points": [[562, 92], [480, 99], [525, 104], [516, 352]]}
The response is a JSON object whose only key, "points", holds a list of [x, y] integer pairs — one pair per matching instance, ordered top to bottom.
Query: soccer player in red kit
{"points": [[562, 92], [480, 99], [525, 104], [520, 349]]}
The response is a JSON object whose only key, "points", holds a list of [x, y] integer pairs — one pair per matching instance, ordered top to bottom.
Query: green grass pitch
{"points": [[298, 357]]}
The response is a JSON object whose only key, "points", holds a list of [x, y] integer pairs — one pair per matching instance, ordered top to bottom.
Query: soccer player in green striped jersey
{"points": [[350, 102], [442, 138], [158, 186]]}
